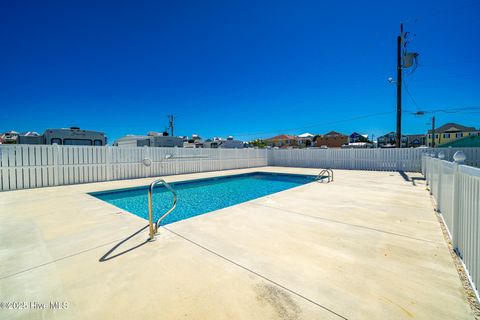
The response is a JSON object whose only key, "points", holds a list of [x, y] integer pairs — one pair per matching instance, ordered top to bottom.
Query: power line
{"points": [[421, 65], [410, 95], [470, 109], [318, 125]]}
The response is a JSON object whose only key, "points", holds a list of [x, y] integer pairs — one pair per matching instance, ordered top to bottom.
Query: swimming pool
{"points": [[196, 197]]}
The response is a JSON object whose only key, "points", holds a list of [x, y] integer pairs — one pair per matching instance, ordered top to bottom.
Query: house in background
{"points": [[450, 132], [9, 137], [31, 137], [356, 137], [152, 139], [305, 139], [332, 139], [282, 140], [389, 140], [415, 140], [195, 141], [358, 141], [220, 143]]}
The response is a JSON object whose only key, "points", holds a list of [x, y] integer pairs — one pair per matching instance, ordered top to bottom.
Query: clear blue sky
{"points": [[247, 68]]}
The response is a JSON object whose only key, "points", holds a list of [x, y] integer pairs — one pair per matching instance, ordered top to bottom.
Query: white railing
{"points": [[33, 166], [456, 190]]}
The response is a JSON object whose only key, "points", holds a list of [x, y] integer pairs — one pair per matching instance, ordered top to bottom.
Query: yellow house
{"points": [[450, 132]]}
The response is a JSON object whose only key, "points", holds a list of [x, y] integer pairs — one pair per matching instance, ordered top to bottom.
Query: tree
{"points": [[259, 143]]}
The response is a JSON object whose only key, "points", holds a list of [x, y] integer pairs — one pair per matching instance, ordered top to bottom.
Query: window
{"points": [[436, 135], [446, 135], [458, 135], [56, 140], [77, 142], [99, 142]]}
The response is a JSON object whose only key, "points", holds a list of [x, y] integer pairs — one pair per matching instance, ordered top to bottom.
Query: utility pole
{"points": [[171, 119], [433, 132], [398, 141]]}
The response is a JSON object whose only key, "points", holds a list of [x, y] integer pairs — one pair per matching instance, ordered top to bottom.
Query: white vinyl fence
{"points": [[364, 159], [33, 166], [456, 190]]}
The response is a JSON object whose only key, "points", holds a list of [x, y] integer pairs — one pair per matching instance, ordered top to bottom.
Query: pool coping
{"points": [[180, 182]]}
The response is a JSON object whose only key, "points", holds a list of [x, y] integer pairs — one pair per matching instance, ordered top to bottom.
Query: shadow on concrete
{"points": [[408, 179], [108, 256]]}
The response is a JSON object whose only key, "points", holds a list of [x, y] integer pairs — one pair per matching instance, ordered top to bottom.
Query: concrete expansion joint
{"points": [[348, 224], [255, 273]]}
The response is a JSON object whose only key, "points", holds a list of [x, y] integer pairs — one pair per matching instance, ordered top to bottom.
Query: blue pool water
{"points": [[197, 197]]}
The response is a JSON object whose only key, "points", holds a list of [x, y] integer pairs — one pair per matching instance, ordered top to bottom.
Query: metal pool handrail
{"points": [[329, 173], [154, 230]]}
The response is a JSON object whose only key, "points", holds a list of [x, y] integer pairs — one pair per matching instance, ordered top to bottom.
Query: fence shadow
{"points": [[412, 179], [111, 253]]}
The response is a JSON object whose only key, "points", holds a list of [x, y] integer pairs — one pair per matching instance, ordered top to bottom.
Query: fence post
{"points": [[441, 156], [220, 157], [236, 158], [459, 158], [352, 159], [108, 162], [423, 165], [430, 168], [56, 169], [433, 173]]}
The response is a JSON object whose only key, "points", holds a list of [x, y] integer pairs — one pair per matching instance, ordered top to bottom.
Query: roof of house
{"points": [[453, 127], [334, 133], [30, 134], [358, 134], [387, 134], [306, 135], [282, 137]]}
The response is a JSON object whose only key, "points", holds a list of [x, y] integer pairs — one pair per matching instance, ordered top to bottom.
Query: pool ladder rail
{"points": [[321, 176], [154, 225]]}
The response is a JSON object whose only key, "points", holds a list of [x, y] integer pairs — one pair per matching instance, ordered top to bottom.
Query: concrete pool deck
{"points": [[367, 246]]}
